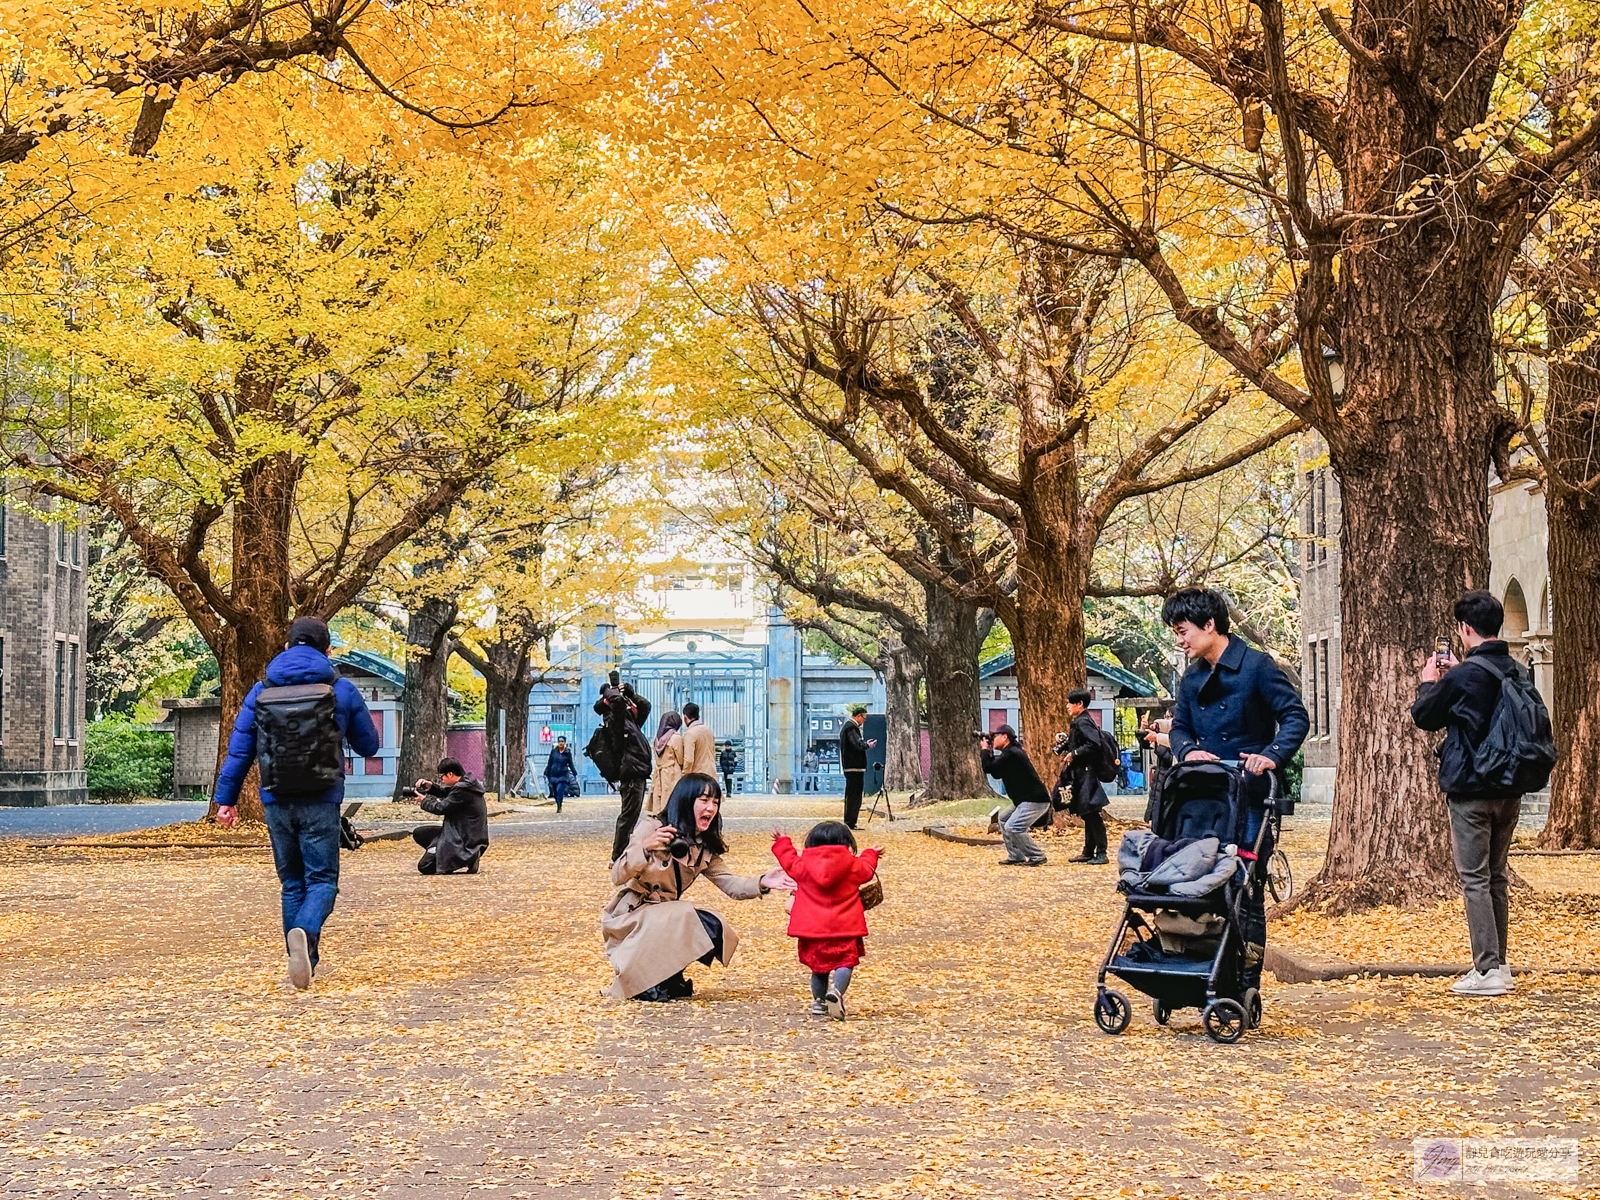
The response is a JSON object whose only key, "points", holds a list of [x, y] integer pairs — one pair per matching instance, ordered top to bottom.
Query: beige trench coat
{"points": [[699, 750], [669, 769], [650, 932]]}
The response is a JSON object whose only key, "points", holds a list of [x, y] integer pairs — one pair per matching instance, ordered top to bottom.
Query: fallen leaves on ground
{"points": [[461, 1044]]}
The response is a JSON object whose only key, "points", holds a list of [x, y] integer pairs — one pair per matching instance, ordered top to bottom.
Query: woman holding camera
{"points": [[651, 933]]}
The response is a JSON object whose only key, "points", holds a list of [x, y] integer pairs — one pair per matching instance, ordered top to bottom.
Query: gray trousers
{"points": [[1014, 830], [1480, 836]]}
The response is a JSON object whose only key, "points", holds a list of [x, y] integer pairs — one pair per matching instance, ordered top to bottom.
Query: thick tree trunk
{"points": [[1571, 411], [1414, 537], [260, 589], [1048, 634], [507, 688], [426, 718], [902, 756], [954, 770]]}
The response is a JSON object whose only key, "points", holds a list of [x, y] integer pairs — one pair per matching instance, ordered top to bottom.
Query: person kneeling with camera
{"points": [[460, 841], [651, 932]]}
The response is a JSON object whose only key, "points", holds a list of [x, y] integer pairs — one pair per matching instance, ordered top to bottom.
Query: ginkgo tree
{"points": [[274, 378]]}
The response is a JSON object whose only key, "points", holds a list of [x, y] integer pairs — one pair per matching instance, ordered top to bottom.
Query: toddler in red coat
{"points": [[827, 915]]}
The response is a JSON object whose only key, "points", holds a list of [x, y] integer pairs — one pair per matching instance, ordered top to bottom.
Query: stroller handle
{"points": [[1273, 796]]}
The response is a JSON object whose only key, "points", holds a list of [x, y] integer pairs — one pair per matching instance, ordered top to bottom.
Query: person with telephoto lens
{"points": [[460, 840], [651, 932]]}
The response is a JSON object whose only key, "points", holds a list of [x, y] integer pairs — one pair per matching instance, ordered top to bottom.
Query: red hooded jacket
{"points": [[827, 901]]}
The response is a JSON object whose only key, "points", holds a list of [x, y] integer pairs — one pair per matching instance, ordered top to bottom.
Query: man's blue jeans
{"points": [[305, 846]]}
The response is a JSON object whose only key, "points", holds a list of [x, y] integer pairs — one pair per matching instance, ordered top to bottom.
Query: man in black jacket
{"points": [[1461, 697], [625, 712], [1006, 760], [853, 762], [1081, 780], [463, 837]]}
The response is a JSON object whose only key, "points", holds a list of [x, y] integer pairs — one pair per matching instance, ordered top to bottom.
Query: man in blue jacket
{"points": [[1234, 702], [303, 822]]}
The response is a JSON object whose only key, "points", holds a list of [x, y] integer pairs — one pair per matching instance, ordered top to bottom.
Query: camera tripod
{"points": [[881, 794]]}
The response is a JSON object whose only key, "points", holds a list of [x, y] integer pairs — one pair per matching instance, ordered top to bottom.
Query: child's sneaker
{"points": [[835, 1005], [818, 1008]]}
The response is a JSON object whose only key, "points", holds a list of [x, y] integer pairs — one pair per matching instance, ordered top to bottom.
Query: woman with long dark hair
{"points": [[668, 748], [651, 933]]}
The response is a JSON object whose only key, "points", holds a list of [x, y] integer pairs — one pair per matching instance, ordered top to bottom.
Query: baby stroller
{"points": [[1186, 951]]}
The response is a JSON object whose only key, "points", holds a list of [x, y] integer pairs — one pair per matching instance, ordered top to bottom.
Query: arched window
{"points": [[1516, 605]]}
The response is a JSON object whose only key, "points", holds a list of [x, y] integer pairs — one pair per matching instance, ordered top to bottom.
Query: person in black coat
{"points": [[1460, 697], [625, 712], [1155, 736], [1005, 759], [853, 762], [1080, 780], [460, 841]]}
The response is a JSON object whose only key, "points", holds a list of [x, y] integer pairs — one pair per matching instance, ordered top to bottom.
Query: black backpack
{"points": [[298, 743], [603, 753], [1518, 753], [1110, 756]]}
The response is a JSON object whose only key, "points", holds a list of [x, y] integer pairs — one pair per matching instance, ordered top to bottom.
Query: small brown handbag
{"points": [[872, 892]]}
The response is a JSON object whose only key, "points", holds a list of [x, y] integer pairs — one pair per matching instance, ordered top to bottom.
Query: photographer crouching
{"points": [[1004, 758], [460, 841]]}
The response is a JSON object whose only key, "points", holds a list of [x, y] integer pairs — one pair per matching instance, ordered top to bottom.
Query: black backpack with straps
{"points": [[298, 743], [1518, 752]]}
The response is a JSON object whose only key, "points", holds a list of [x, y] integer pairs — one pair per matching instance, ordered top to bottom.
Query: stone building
{"points": [[1518, 575], [42, 636]]}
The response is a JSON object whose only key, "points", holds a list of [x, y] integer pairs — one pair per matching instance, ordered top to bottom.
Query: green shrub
{"points": [[124, 759]]}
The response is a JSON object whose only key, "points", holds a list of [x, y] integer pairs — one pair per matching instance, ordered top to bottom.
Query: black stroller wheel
{"points": [[1252, 1007], [1112, 1012], [1161, 1012], [1224, 1020]]}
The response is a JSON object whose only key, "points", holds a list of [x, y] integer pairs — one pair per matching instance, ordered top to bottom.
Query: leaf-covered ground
{"points": [[461, 1045]]}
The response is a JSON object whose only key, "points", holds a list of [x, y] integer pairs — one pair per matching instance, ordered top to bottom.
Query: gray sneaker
{"points": [[299, 959], [818, 1008]]}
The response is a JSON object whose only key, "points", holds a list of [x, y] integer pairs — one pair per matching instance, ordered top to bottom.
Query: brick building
{"points": [[42, 628]]}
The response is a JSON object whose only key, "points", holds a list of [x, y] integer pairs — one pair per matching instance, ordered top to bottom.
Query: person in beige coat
{"points": [[699, 743], [669, 763], [651, 932]]}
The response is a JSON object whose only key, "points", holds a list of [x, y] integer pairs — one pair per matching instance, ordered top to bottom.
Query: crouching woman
{"points": [[651, 932]]}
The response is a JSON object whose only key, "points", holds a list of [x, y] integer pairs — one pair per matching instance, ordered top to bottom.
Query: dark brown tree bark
{"points": [[1568, 288], [953, 642], [425, 720], [902, 756]]}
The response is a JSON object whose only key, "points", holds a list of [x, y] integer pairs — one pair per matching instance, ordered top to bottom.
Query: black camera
{"points": [[979, 735], [408, 790], [679, 846]]}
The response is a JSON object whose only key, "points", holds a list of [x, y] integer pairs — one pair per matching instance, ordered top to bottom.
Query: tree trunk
{"points": [[1571, 410], [1414, 537], [260, 590], [1048, 632], [507, 688], [426, 720], [902, 756], [954, 770]]}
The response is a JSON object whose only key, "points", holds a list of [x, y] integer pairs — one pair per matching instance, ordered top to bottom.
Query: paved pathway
{"points": [[81, 820]]}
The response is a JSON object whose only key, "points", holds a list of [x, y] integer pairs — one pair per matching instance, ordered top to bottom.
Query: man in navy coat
{"points": [[1234, 702]]}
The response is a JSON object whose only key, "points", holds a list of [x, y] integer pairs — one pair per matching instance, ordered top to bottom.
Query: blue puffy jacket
{"points": [[298, 664]]}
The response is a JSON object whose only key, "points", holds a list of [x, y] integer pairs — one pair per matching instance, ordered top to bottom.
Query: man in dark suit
{"points": [[1234, 702], [853, 762]]}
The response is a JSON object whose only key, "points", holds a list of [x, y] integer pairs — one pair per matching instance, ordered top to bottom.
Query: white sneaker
{"points": [[1502, 975], [1474, 983]]}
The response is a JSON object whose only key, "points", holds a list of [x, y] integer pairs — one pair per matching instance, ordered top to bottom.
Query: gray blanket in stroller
{"points": [[1193, 870]]}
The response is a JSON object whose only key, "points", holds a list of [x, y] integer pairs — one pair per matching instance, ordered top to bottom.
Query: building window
{"points": [[1322, 514], [1308, 519], [3, 524], [61, 541], [77, 547], [1311, 686], [72, 691], [1327, 693], [377, 723], [58, 727], [374, 766]]}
